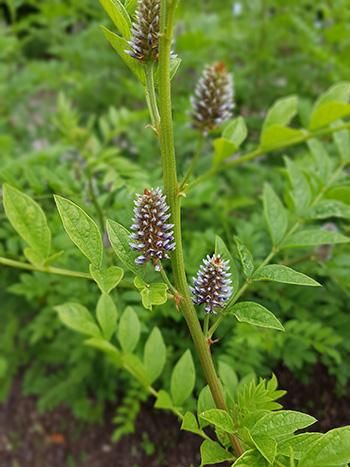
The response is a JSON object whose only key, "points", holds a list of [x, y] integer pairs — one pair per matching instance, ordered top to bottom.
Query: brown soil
{"points": [[318, 398], [55, 439]]}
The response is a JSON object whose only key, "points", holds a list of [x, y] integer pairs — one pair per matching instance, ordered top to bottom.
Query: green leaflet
{"points": [[130, 6], [118, 14], [120, 44], [331, 106], [281, 112], [328, 113], [236, 131], [233, 135], [279, 136], [342, 141], [223, 148], [321, 157], [302, 195], [329, 208], [275, 214], [29, 220], [81, 229], [119, 237], [314, 237], [245, 257], [284, 274], [107, 279], [151, 294], [256, 314], [107, 315], [78, 318], [129, 330], [104, 346], [154, 356], [134, 365], [228, 377], [183, 379], [163, 400], [205, 402], [220, 419], [283, 422], [190, 423], [299, 444], [266, 445], [333, 448], [213, 453], [251, 458]]}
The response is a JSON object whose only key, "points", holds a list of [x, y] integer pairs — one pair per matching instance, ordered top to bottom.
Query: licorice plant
{"points": [[249, 428]]}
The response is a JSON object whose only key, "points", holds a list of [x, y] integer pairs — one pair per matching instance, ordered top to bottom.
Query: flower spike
{"points": [[144, 43], [212, 102], [152, 236], [212, 285]]}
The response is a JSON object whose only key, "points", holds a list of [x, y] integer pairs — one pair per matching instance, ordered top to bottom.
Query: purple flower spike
{"points": [[144, 43], [212, 102], [152, 234], [212, 285]]}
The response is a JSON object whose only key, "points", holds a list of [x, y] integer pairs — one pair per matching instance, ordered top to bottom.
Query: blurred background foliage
{"points": [[73, 121]]}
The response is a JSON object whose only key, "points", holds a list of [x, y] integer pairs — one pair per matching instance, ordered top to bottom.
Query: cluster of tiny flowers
{"points": [[144, 43], [212, 102], [152, 236], [212, 285]]}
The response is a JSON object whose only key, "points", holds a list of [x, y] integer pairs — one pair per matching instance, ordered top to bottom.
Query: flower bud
{"points": [[144, 43], [212, 102], [152, 236], [212, 285]]}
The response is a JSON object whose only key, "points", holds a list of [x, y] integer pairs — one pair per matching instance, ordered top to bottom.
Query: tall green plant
{"points": [[250, 426]]}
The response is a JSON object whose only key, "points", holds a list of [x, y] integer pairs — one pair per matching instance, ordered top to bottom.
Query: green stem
{"points": [[167, 13], [151, 97], [260, 151], [48, 269], [167, 280], [124, 283], [206, 324]]}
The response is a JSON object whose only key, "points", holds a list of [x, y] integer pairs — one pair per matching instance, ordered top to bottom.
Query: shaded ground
{"points": [[317, 398], [29, 439], [55, 439]]}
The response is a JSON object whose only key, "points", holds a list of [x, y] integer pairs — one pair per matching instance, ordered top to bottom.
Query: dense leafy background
{"points": [[73, 119]]}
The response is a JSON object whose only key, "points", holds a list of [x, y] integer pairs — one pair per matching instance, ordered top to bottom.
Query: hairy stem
{"points": [[167, 13]]}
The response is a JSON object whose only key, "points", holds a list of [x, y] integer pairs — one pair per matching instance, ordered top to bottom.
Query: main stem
{"points": [[167, 13]]}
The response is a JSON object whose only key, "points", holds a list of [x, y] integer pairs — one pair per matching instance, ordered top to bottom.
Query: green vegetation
{"points": [[268, 190]]}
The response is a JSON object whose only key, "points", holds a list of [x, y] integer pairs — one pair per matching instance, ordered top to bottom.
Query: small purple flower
{"points": [[212, 102], [152, 236], [212, 285]]}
